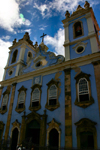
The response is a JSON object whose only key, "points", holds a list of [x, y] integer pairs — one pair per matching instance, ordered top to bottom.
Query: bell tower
{"points": [[81, 32], [20, 54]]}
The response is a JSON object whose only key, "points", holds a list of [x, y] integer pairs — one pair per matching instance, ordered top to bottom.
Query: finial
{"points": [[86, 5], [79, 7], [67, 14], [26, 36], [43, 37], [14, 41], [36, 44]]}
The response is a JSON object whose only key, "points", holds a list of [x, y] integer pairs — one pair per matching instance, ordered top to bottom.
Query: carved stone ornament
{"points": [[86, 5], [67, 15], [79, 44]]}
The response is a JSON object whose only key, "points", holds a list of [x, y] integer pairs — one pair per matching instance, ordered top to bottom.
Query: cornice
{"points": [[78, 14], [79, 40], [22, 42], [87, 59], [19, 62]]}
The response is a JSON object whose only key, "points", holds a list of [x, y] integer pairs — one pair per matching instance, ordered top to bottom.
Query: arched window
{"points": [[78, 30], [14, 56], [29, 56], [83, 90], [53, 95], [35, 97], [21, 99], [4, 103]]}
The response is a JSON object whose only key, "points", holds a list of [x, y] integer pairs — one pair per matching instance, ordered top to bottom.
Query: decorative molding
{"points": [[78, 45], [52, 69], [86, 103], [35, 108], [54, 125], [85, 125]]}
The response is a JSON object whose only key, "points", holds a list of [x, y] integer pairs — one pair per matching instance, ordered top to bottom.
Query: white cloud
{"points": [[60, 6], [9, 15], [42, 27], [23, 31], [5, 37], [56, 42], [3, 55]]}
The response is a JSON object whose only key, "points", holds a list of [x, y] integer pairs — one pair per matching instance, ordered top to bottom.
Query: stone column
{"points": [[96, 65], [10, 110], [68, 110]]}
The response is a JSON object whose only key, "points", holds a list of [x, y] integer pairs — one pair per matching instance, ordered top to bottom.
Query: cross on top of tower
{"points": [[43, 37]]}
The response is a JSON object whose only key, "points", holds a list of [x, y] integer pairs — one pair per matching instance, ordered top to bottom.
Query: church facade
{"points": [[54, 100]]}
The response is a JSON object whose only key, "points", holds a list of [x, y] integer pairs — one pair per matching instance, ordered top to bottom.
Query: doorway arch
{"points": [[33, 131], [15, 133], [53, 138]]}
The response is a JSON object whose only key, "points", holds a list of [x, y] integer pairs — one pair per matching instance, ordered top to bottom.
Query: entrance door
{"points": [[33, 132], [53, 138], [14, 139], [86, 140]]}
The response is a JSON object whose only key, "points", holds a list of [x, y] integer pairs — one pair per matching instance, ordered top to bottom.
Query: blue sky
{"points": [[36, 17]]}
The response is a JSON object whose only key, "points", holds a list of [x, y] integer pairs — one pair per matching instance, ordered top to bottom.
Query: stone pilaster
{"points": [[96, 65], [1, 88], [10, 110], [68, 110], [23, 128], [43, 129]]}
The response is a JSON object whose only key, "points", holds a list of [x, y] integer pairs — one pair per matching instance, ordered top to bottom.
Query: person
{"points": [[17, 146], [20, 147]]}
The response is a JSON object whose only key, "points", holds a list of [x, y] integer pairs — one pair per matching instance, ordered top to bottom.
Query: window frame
{"points": [[74, 35], [82, 91], [86, 103], [52, 107], [35, 108], [17, 109], [5, 110]]}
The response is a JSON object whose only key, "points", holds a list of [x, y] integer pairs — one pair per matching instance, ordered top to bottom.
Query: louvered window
{"points": [[83, 90], [53, 95], [35, 97], [5, 99], [21, 99]]}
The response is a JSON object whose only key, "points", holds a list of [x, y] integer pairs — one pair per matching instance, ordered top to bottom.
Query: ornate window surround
{"points": [[74, 29], [14, 53], [83, 104], [39, 106], [52, 107], [19, 110], [4, 111], [16, 124], [54, 125], [86, 125], [1, 128]]}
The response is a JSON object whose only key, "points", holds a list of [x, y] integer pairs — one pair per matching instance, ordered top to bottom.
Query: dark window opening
{"points": [[78, 29], [80, 49], [30, 54], [14, 56], [39, 64], [10, 73], [84, 97], [52, 101], [34, 104], [20, 105], [3, 107], [54, 138], [14, 139], [86, 140]]}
